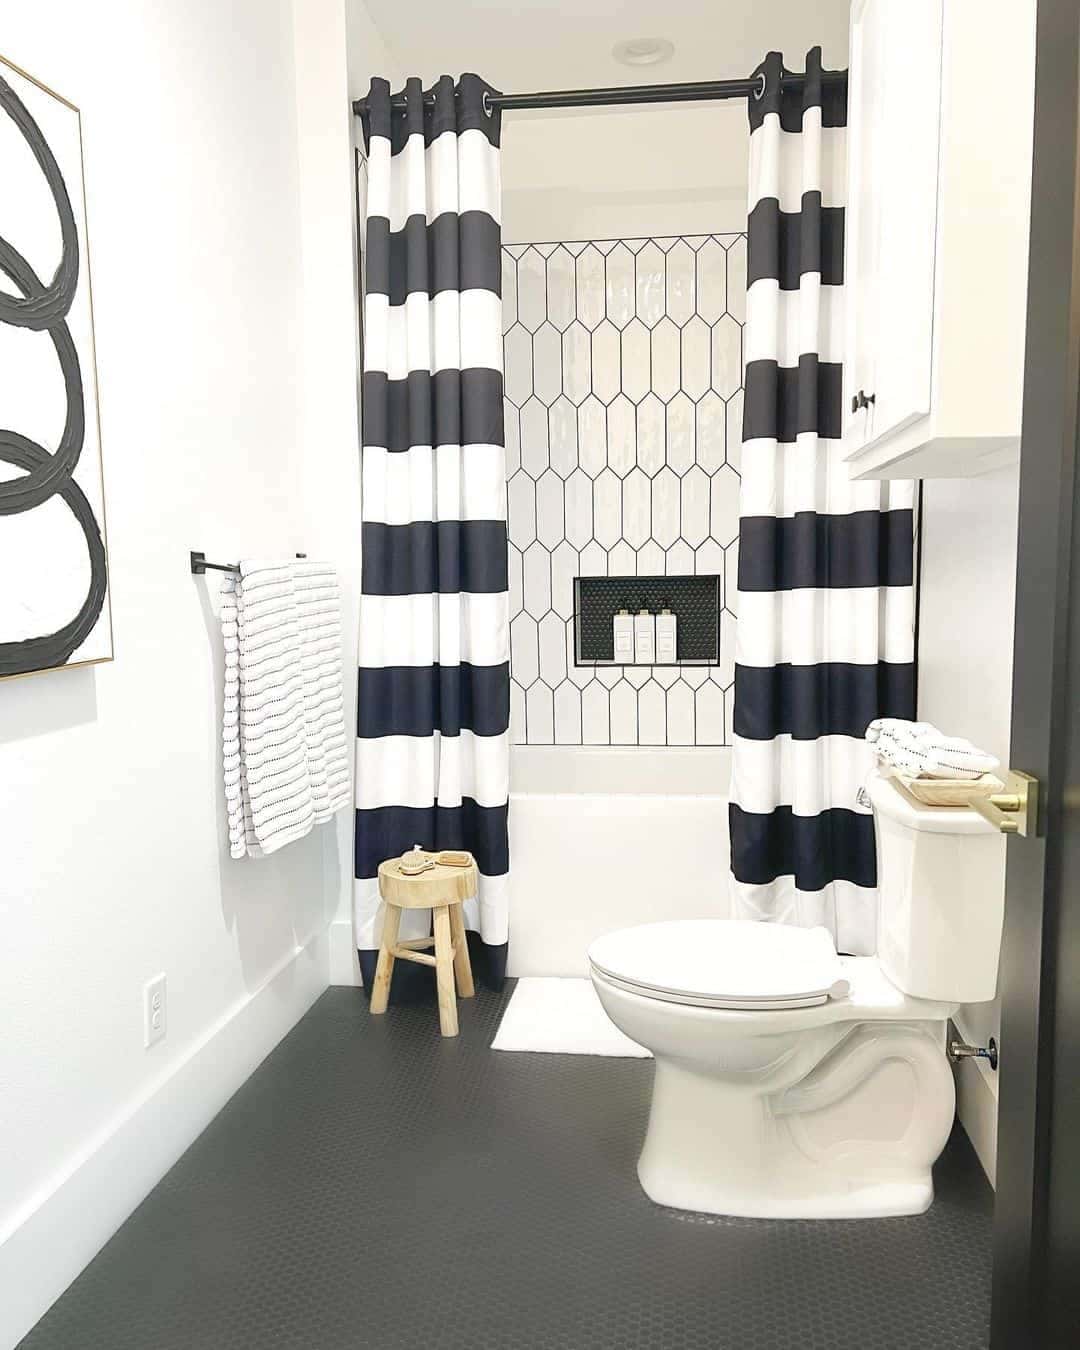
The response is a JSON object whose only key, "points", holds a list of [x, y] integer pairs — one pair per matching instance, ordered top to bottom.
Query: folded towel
{"points": [[283, 734], [920, 749]]}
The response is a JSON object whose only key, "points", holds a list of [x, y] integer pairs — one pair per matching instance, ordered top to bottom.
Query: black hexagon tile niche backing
{"points": [[623, 362], [695, 601], [373, 1185]]}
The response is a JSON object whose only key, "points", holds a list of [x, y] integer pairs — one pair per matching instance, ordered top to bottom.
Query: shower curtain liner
{"points": [[824, 638], [433, 707]]}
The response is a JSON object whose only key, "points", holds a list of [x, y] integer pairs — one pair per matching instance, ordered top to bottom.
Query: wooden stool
{"points": [[442, 890]]}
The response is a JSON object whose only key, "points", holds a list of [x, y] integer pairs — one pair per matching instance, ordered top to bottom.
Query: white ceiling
{"points": [[524, 45], [605, 172]]}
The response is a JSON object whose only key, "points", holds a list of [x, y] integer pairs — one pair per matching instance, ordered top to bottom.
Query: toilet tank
{"points": [[941, 896]]}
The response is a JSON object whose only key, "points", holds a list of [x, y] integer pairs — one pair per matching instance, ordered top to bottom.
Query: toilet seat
{"points": [[723, 963]]}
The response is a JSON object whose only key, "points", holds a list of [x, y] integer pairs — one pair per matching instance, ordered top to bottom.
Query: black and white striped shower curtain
{"points": [[826, 602], [432, 763]]}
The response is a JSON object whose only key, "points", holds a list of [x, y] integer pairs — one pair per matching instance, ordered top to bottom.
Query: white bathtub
{"points": [[601, 838]]}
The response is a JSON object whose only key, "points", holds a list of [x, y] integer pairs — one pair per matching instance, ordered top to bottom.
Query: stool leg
{"points": [[462, 965], [444, 971], [380, 987]]}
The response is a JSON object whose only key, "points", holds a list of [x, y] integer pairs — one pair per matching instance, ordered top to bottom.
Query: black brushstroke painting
{"points": [[44, 308]]}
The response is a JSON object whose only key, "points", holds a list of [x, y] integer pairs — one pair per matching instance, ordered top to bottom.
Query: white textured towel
{"points": [[283, 733], [918, 748]]}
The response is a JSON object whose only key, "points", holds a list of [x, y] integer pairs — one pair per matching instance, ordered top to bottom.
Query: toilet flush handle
{"points": [[1015, 810]]}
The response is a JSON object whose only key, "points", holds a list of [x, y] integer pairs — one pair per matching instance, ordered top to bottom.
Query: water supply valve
{"points": [[959, 1050]]}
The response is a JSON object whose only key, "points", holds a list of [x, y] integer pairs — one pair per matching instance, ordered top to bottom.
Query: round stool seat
{"points": [[439, 885]]}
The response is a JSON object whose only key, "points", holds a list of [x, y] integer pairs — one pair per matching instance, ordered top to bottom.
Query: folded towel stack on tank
{"points": [[283, 734], [920, 750]]}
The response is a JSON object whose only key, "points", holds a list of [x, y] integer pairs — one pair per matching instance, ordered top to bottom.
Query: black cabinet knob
{"points": [[861, 400]]}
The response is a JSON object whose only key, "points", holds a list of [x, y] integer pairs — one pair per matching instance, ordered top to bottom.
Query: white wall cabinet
{"points": [[939, 179]]}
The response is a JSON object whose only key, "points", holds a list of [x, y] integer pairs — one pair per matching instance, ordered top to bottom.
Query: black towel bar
{"points": [[199, 565]]}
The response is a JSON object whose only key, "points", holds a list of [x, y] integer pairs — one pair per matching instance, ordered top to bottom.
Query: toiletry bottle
{"points": [[623, 624], [665, 637], [644, 638]]}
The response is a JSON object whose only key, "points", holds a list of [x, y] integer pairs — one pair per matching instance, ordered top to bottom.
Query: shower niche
{"points": [[694, 600]]}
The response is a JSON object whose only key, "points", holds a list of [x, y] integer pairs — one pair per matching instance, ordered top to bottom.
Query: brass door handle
{"points": [[1014, 810]]}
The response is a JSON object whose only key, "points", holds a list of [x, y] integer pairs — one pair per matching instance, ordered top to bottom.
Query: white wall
{"points": [[335, 41], [367, 54], [625, 172], [326, 222], [965, 685], [113, 843]]}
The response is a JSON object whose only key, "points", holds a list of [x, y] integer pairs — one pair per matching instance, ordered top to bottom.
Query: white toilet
{"points": [[795, 1083]]}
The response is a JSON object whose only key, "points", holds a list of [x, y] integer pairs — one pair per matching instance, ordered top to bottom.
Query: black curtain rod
{"points": [[621, 94]]}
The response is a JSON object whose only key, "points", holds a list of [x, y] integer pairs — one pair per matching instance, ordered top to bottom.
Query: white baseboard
{"points": [[344, 967], [977, 1108], [56, 1234]]}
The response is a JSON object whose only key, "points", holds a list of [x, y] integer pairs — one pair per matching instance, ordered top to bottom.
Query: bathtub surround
{"points": [[623, 406], [825, 635], [432, 763], [599, 802]]}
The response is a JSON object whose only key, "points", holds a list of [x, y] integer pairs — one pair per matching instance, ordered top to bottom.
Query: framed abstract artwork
{"points": [[54, 571]]}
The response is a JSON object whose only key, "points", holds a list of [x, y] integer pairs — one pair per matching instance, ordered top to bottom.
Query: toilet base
{"points": [[846, 1124], [884, 1200]]}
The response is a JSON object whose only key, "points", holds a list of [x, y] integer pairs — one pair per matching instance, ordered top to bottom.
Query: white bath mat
{"points": [[561, 1017]]}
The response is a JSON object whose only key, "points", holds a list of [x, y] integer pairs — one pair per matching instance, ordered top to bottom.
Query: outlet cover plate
{"points": [[154, 1011]]}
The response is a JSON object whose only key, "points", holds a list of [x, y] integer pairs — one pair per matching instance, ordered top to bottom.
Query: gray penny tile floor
{"points": [[373, 1185]]}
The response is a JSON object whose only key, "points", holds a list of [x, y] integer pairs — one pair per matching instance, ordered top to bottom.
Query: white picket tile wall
{"points": [[623, 426]]}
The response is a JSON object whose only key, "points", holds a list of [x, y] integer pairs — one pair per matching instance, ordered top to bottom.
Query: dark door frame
{"points": [[1036, 1286]]}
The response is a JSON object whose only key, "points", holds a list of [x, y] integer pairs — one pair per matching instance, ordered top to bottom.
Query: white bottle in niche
{"points": [[624, 637], [644, 638], [665, 638]]}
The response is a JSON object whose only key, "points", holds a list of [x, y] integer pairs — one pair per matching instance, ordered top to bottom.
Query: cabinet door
{"points": [[893, 121]]}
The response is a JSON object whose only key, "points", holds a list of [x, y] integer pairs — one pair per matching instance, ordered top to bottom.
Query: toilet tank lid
{"points": [[889, 799], [719, 959]]}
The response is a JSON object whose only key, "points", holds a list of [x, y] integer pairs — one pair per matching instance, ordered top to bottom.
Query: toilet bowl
{"points": [[795, 1083], [827, 1105]]}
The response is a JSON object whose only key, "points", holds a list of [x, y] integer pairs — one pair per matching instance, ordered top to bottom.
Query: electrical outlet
{"points": [[154, 1010]]}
